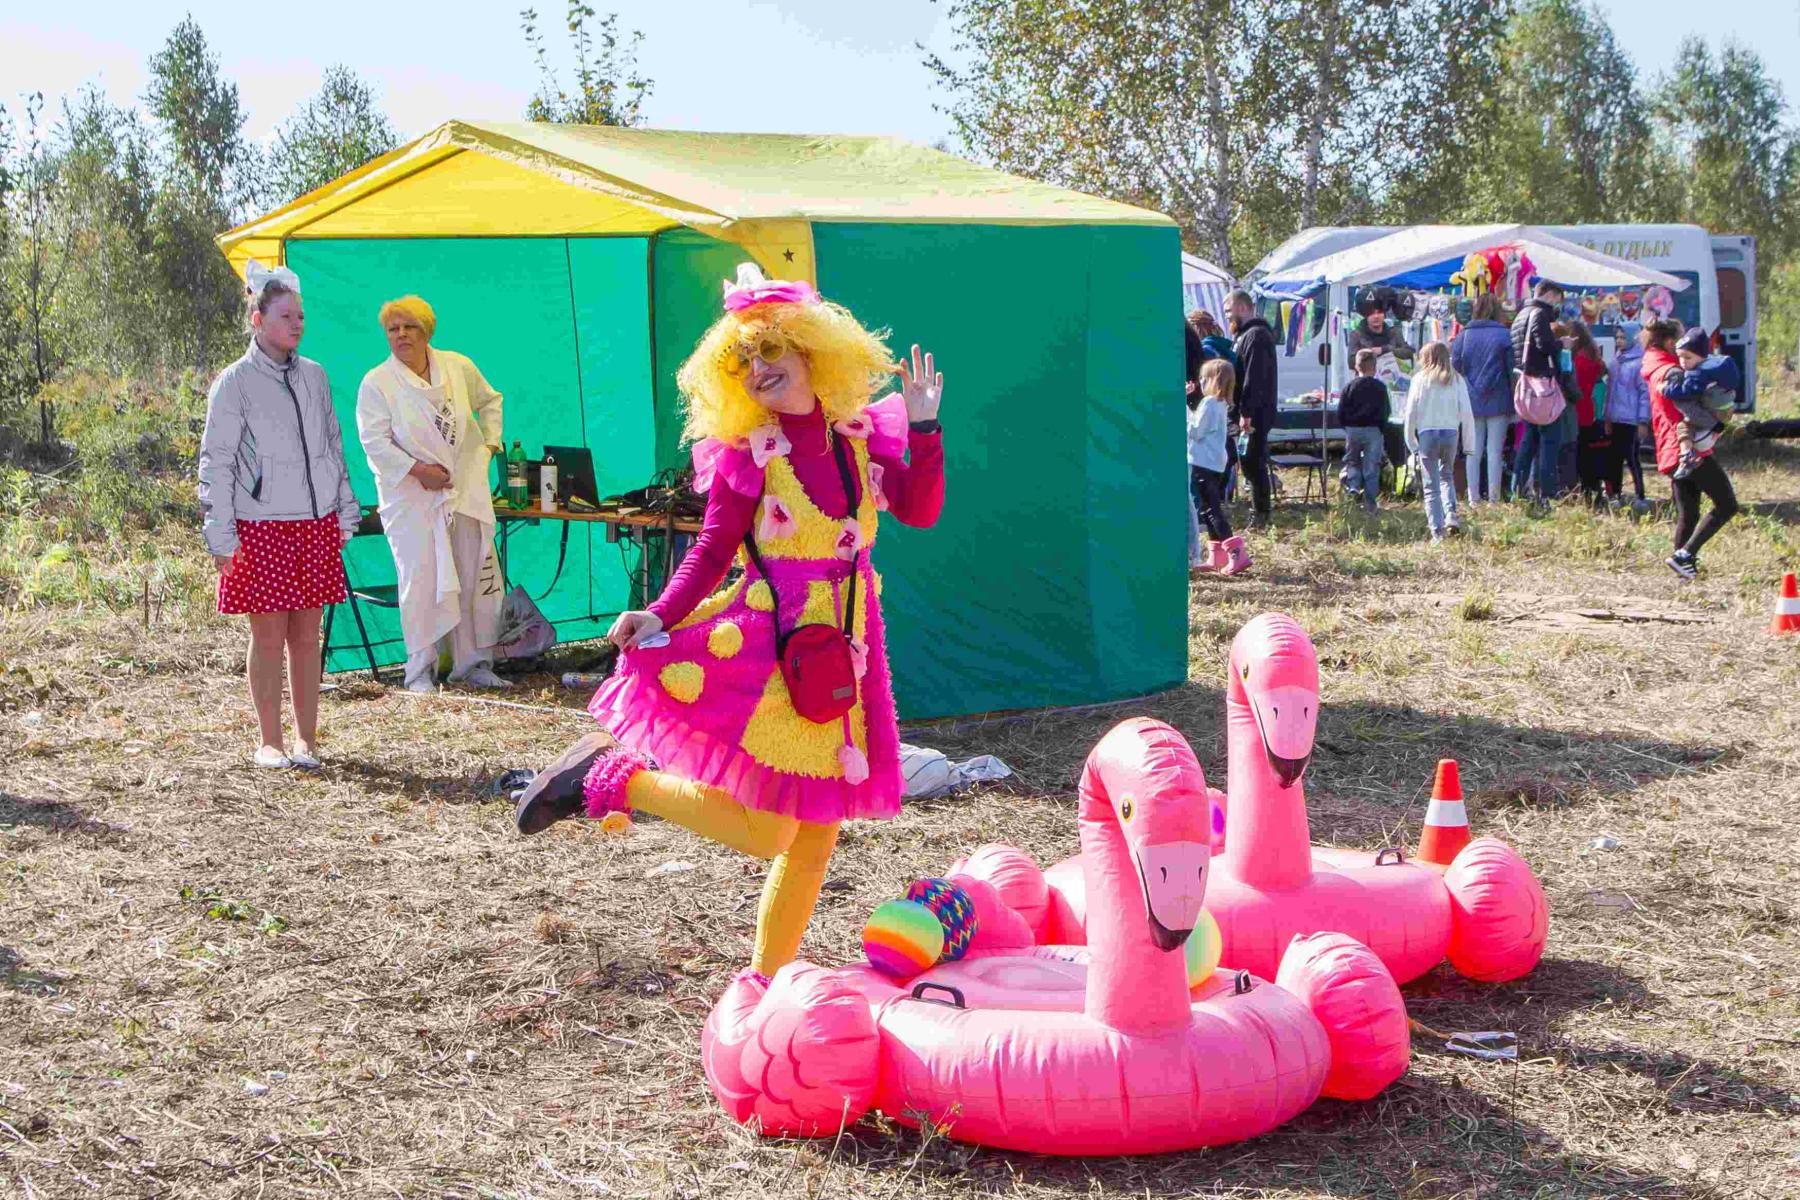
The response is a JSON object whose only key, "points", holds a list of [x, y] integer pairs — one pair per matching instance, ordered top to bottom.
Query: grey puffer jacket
{"points": [[272, 450]]}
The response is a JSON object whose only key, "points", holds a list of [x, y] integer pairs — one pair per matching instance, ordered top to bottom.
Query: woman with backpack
{"points": [[1538, 395]]}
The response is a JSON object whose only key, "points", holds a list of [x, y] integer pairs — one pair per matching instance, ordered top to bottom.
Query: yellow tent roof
{"points": [[480, 178]]}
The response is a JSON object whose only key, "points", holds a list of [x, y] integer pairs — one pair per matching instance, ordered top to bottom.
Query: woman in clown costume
{"points": [[704, 730]]}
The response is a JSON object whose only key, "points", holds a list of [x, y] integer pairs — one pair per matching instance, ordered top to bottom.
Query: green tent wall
{"points": [[1058, 572]]}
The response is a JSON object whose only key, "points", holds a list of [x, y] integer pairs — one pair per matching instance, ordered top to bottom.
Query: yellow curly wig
{"points": [[849, 366]]}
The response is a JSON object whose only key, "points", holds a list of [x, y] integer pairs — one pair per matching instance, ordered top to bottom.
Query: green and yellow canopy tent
{"points": [[577, 265]]}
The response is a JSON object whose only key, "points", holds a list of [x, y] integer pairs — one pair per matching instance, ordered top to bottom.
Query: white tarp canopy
{"points": [[1419, 246], [1195, 269], [1204, 285]]}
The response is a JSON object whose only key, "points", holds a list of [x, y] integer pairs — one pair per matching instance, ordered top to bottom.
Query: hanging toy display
{"points": [[1476, 276]]}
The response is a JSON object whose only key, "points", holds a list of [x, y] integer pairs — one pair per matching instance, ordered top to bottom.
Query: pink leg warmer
{"points": [[604, 787]]}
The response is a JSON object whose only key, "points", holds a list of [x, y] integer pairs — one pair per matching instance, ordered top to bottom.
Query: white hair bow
{"points": [[257, 277]]}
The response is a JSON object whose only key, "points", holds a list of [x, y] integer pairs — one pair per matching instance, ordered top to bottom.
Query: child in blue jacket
{"points": [[1705, 390]]}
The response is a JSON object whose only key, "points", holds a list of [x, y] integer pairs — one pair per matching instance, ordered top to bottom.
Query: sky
{"points": [[801, 66]]}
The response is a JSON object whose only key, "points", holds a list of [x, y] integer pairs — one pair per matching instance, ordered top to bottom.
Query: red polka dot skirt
{"points": [[285, 566]]}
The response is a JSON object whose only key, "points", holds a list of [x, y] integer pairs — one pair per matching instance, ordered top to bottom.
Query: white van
{"points": [[1721, 269]]}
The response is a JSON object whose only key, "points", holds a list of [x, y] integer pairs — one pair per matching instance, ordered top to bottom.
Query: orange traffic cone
{"points": [[1787, 607], [1446, 821]]}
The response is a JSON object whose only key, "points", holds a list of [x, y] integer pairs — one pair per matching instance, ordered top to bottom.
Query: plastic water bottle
{"points": [[547, 483], [516, 489]]}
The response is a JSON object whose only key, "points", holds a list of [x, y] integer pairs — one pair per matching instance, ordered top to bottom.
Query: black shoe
{"points": [[1683, 564], [555, 795]]}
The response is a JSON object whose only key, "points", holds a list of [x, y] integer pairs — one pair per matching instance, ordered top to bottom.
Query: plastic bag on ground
{"points": [[524, 631], [930, 773]]}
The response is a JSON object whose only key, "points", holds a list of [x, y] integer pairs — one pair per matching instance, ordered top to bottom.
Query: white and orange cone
{"points": [[1787, 607], [1446, 821]]}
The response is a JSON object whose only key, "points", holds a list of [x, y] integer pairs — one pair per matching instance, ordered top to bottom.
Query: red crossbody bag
{"points": [[815, 660]]}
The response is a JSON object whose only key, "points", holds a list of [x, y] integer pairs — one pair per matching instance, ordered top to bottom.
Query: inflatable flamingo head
{"points": [[1275, 673], [1144, 780]]}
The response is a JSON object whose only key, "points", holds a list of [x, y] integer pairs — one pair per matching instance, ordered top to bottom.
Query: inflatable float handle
{"points": [[1382, 859], [1242, 984], [956, 997]]}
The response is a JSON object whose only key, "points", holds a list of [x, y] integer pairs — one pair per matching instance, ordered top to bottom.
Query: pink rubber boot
{"points": [[1215, 558], [1239, 560]]}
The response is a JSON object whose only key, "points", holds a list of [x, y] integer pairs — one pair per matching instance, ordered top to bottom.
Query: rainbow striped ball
{"points": [[954, 909], [902, 938], [1204, 948]]}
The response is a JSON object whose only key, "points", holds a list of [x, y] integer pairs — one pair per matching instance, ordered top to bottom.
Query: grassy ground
{"points": [[216, 982]]}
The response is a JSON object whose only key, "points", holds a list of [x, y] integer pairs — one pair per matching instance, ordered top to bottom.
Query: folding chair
{"points": [[1312, 464], [382, 596]]}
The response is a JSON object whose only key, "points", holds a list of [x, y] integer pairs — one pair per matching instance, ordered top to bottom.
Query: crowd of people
{"points": [[1501, 400]]}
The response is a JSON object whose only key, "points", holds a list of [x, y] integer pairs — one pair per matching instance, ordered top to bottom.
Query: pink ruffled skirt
{"points": [[689, 704]]}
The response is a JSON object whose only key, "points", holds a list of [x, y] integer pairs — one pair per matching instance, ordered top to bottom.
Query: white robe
{"points": [[397, 416]]}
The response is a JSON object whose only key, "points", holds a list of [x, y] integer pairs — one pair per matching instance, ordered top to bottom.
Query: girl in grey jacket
{"points": [[277, 505]]}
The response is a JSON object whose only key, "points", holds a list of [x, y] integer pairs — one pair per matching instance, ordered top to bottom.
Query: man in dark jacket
{"points": [[1536, 349], [1253, 411]]}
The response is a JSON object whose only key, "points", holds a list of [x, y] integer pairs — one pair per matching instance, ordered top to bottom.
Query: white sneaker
{"points": [[480, 677], [422, 686], [269, 758], [306, 760]]}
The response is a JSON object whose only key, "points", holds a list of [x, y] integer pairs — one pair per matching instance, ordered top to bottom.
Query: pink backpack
{"points": [[1538, 400]]}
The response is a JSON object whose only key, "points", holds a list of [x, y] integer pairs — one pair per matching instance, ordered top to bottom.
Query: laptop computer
{"points": [[574, 475]]}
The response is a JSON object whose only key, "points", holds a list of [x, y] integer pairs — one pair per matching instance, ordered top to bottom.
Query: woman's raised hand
{"points": [[922, 386], [632, 628]]}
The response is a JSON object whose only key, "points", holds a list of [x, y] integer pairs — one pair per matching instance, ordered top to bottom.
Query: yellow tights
{"points": [[800, 851]]}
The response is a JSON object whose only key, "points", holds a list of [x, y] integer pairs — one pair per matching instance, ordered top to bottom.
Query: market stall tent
{"points": [[1431, 250], [1332, 261], [577, 265], [1204, 286]]}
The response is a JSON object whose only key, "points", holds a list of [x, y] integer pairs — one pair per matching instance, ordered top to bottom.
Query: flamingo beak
{"points": [[1287, 718], [1173, 875]]}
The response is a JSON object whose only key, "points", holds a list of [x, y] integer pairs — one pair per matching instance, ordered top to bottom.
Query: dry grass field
{"points": [[218, 982]]}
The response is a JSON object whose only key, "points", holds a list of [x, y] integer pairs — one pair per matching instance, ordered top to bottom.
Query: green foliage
{"points": [[608, 88], [1159, 105], [200, 115], [1725, 122], [333, 133], [1566, 140], [1778, 336], [95, 527], [221, 907]]}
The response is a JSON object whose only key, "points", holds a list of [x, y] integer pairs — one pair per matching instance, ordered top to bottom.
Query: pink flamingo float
{"points": [[1486, 912], [1102, 1049]]}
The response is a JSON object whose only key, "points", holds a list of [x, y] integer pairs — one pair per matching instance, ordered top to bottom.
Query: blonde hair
{"points": [[412, 307], [1434, 364], [849, 365], [1217, 378]]}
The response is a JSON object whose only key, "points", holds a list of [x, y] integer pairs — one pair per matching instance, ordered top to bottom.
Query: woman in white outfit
{"points": [[430, 425]]}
